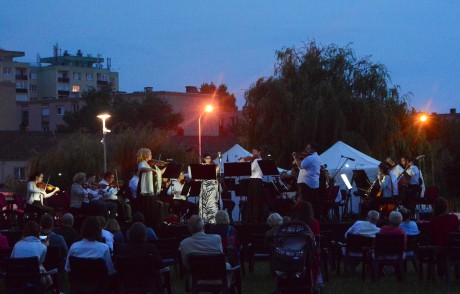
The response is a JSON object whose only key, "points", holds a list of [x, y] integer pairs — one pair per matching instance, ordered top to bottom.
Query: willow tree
{"points": [[325, 94]]}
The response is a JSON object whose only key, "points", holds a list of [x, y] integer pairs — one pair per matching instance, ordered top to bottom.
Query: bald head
{"points": [[67, 220]]}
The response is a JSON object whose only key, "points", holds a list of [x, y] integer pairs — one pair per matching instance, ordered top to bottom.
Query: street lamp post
{"points": [[209, 108], [104, 117]]}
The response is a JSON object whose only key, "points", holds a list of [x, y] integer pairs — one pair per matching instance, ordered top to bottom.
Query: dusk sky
{"points": [[171, 44]]}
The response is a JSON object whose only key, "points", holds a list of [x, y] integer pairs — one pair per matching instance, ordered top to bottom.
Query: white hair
{"points": [[274, 219]]}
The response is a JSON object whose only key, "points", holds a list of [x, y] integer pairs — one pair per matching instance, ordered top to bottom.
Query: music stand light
{"points": [[346, 181]]}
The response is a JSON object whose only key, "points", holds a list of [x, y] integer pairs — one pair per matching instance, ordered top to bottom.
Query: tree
{"points": [[325, 94], [226, 101]]}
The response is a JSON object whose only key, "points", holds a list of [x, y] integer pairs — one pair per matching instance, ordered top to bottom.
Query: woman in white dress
{"points": [[208, 204]]}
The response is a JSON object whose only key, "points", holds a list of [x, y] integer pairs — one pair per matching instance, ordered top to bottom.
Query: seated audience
{"points": [[303, 212], [139, 217], [274, 220], [442, 223], [47, 225], [113, 227], [410, 227], [366, 228], [393, 228], [67, 231], [229, 236], [107, 237], [199, 242], [91, 246]]}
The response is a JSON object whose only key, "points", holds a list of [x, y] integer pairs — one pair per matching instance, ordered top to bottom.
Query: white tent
{"points": [[232, 155], [337, 155]]}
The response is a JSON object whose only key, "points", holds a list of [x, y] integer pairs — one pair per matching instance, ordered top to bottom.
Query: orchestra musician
{"points": [[395, 168], [308, 179], [413, 188], [109, 191], [36, 192], [180, 201], [208, 203], [96, 205], [255, 205]]}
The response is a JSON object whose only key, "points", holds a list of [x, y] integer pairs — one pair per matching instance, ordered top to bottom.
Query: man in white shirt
{"points": [[395, 168], [308, 179], [413, 189], [255, 204], [366, 228]]}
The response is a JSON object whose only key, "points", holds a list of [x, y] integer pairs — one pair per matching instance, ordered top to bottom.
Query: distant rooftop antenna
{"points": [[109, 63]]}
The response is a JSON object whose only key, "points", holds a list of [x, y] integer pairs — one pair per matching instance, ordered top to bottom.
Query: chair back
{"points": [[331, 193], [20, 201], [412, 242], [357, 243], [389, 245], [454, 246], [168, 248], [53, 258], [208, 267], [138, 274], [22, 275], [83, 277]]}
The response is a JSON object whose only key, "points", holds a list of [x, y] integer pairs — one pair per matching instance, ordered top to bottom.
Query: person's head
{"points": [[311, 147], [256, 151], [144, 154], [207, 158], [390, 161], [405, 161], [383, 168], [294, 171], [37, 177], [109, 177], [181, 177], [79, 178], [91, 179], [440, 206], [304, 212], [405, 214], [373, 216], [138, 217], [222, 218], [286, 219], [395, 219], [67, 220], [274, 220], [102, 221], [46, 222], [195, 224], [112, 226], [31, 229], [91, 229], [138, 233]]}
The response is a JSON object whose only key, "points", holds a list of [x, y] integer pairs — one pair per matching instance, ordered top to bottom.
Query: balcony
{"points": [[21, 77], [63, 80], [102, 83], [21, 90], [63, 93]]}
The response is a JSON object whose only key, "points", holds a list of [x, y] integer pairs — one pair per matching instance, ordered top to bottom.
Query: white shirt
{"points": [[312, 165], [397, 170], [256, 172], [414, 174], [146, 179], [133, 185], [389, 185], [176, 189], [109, 193], [35, 194], [363, 228], [108, 239], [28, 247], [90, 249]]}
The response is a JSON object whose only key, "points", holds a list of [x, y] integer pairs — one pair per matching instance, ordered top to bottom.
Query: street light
{"points": [[207, 109], [104, 117], [423, 118]]}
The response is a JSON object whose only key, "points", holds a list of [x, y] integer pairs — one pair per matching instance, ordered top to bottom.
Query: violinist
{"points": [[308, 179], [412, 191], [109, 192], [36, 194], [179, 200], [96, 205], [255, 209]]}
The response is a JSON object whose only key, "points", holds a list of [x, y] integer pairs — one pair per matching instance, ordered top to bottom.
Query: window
{"points": [[7, 71], [20, 71], [63, 74], [33, 75], [76, 76], [89, 76], [102, 77], [21, 84], [63, 87], [33, 88], [75, 88], [89, 88], [21, 97], [75, 107], [60, 110], [45, 111], [24, 118], [46, 126], [20, 173]]}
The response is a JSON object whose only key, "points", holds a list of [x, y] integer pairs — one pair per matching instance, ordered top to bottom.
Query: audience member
{"points": [[304, 212], [139, 217], [274, 220], [442, 223], [47, 225], [113, 227], [410, 227], [366, 228], [393, 228], [67, 231], [229, 236], [107, 237], [199, 242], [91, 246]]}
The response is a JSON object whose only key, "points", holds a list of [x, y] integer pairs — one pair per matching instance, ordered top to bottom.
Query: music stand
{"points": [[268, 167], [237, 169], [172, 171], [203, 172]]}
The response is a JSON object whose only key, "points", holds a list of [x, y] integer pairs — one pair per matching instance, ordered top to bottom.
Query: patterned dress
{"points": [[208, 204]]}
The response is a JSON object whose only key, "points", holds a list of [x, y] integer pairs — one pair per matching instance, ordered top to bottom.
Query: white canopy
{"points": [[232, 154], [337, 155]]}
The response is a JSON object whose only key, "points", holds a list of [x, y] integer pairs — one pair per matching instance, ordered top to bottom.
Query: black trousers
{"points": [[311, 195], [255, 207], [39, 208]]}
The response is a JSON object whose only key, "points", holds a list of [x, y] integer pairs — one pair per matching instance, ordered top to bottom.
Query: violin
{"points": [[301, 155], [248, 158], [157, 163], [47, 187]]}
